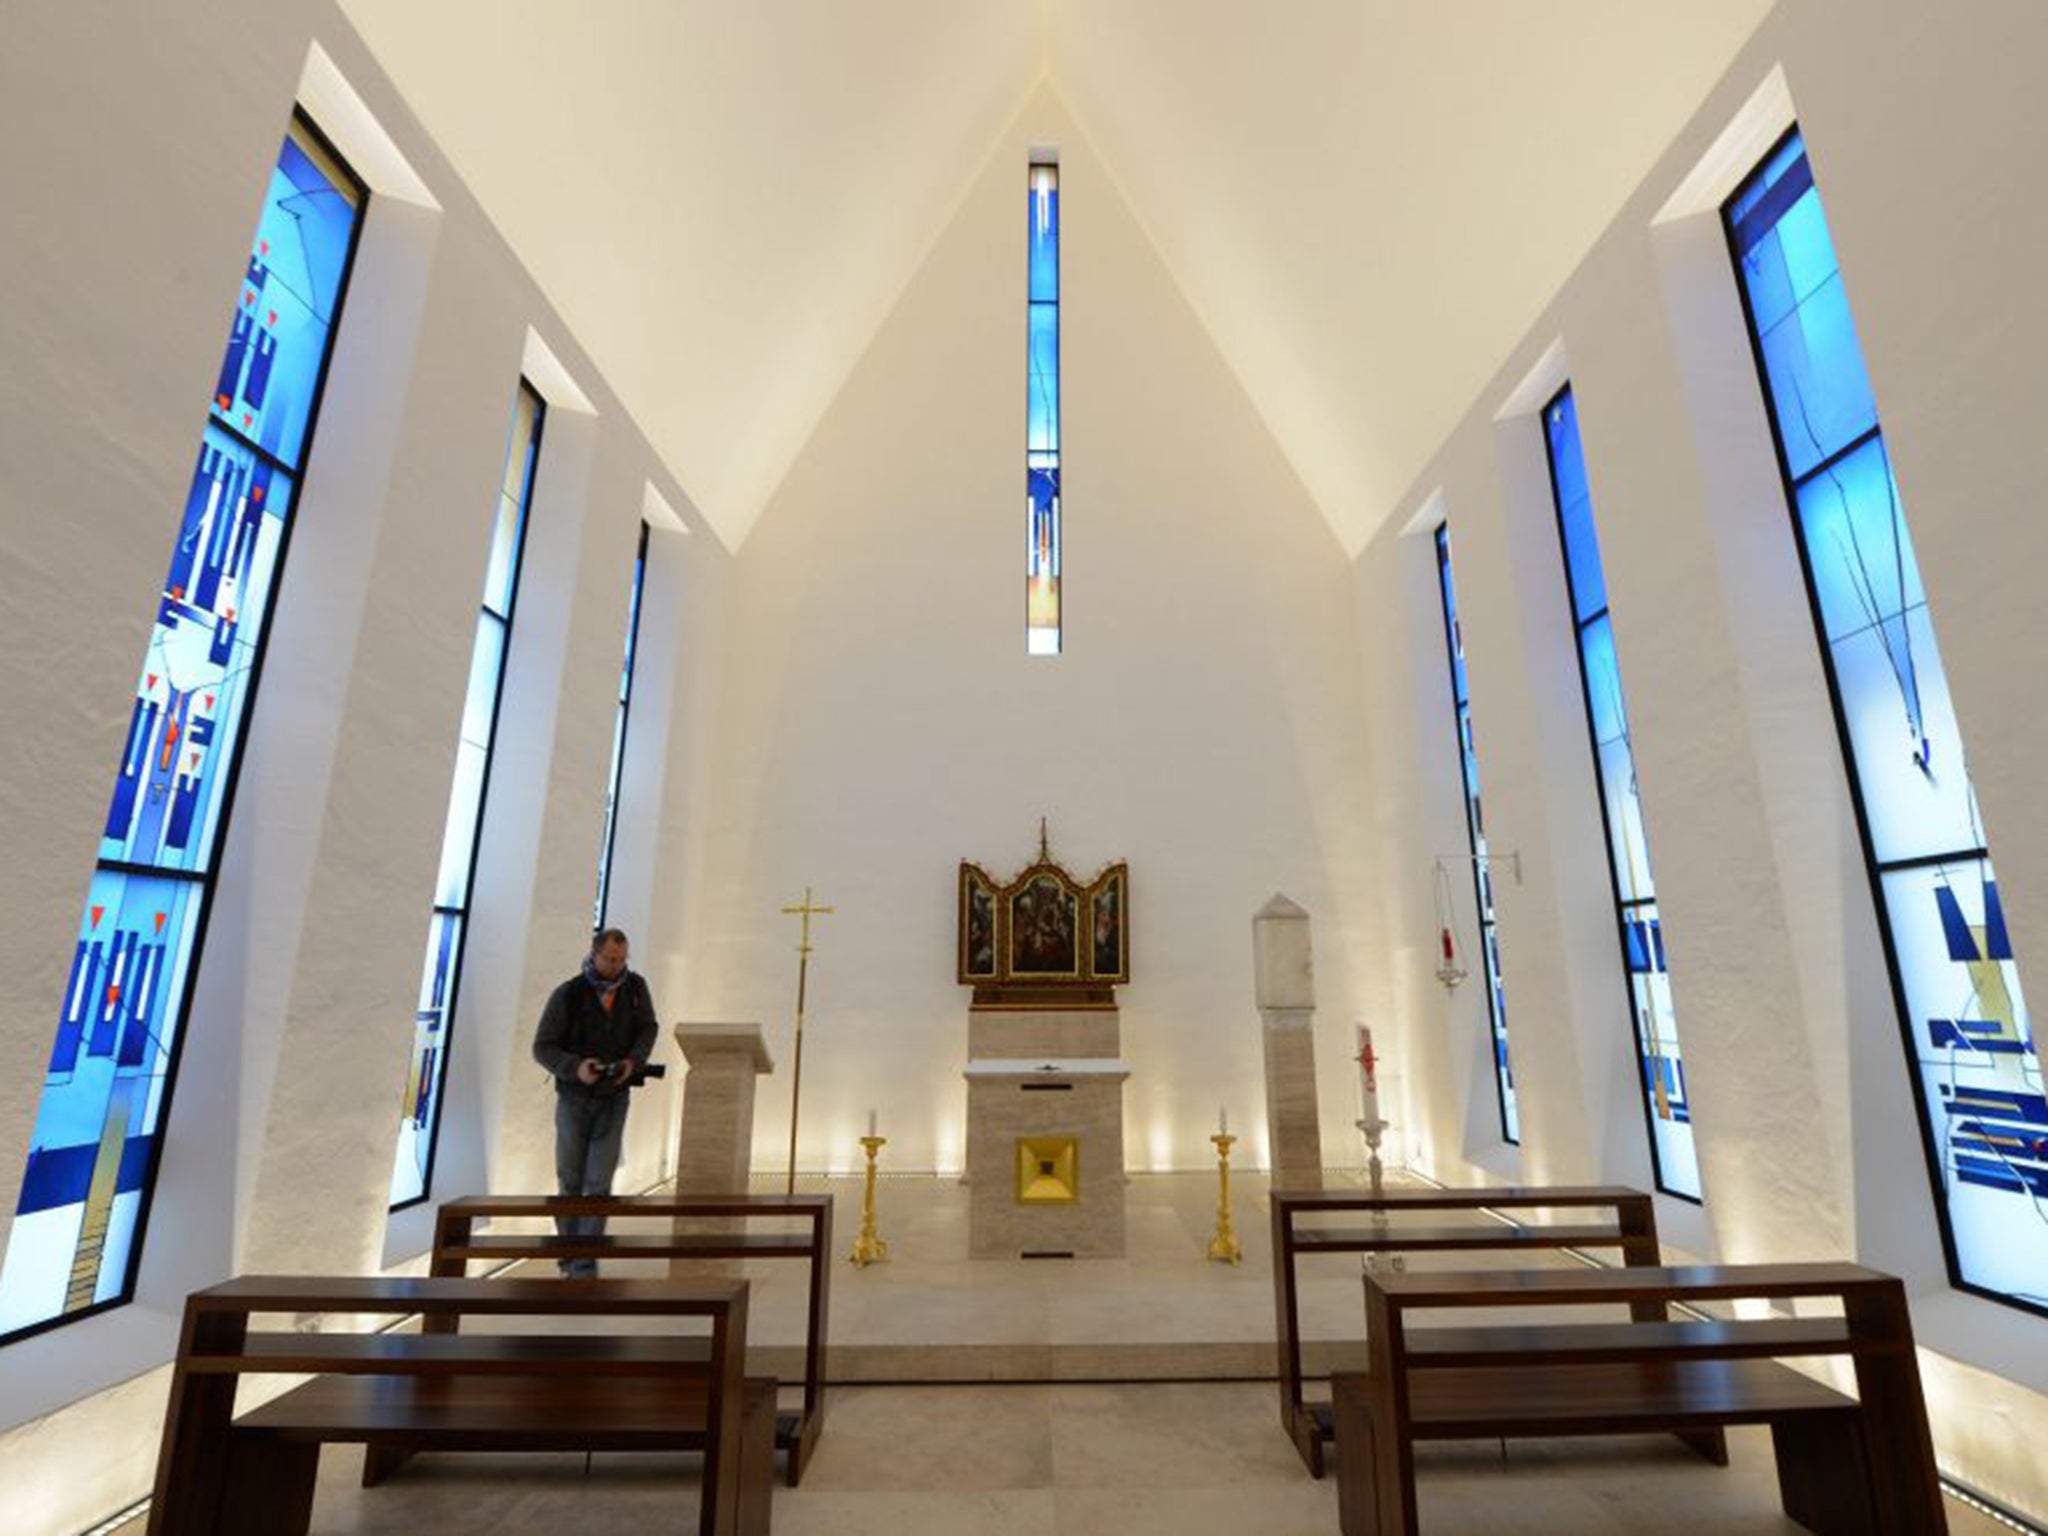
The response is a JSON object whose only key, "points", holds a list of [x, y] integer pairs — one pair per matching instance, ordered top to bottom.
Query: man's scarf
{"points": [[604, 988]]}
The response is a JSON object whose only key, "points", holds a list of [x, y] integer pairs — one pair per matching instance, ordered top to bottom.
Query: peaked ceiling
{"points": [[1367, 201]]}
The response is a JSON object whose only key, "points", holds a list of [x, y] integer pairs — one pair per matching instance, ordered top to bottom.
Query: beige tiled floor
{"points": [[930, 1312], [1145, 1459]]}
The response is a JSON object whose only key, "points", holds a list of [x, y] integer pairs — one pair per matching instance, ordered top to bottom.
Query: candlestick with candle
{"points": [[1370, 1125], [1223, 1247], [869, 1248]]}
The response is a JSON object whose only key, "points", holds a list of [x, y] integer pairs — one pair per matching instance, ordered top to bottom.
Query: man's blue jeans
{"points": [[589, 1132]]}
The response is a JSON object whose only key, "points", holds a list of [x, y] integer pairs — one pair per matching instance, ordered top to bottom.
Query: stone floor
{"points": [[1162, 1312], [1127, 1396], [1142, 1459]]}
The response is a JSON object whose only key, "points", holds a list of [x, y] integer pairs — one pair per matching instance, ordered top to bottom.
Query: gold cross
{"points": [[806, 910]]}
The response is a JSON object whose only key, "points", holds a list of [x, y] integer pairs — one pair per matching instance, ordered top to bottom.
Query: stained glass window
{"points": [[1042, 421], [611, 792], [1475, 829], [440, 974], [1975, 1058], [1666, 1101], [77, 1235]]}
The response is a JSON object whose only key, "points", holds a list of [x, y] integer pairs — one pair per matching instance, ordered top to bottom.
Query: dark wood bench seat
{"points": [[459, 1242], [633, 1245], [1473, 1402], [500, 1412], [1847, 1465], [254, 1475]]}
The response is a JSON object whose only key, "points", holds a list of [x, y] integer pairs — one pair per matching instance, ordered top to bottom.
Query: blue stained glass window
{"points": [[1042, 420], [611, 793], [1475, 828], [440, 975], [1975, 1058], [1666, 1103], [76, 1238]]}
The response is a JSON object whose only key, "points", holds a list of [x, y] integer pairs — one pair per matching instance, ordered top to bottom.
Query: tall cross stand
{"points": [[806, 911]]}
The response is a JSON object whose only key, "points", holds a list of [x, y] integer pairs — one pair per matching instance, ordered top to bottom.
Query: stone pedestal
{"points": [[1285, 986], [1293, 1123], [1045, 1133], [715, 1149]]}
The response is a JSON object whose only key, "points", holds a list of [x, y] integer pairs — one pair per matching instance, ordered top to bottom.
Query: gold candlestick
{"points": [[1223, 1247], [868, 1248]]}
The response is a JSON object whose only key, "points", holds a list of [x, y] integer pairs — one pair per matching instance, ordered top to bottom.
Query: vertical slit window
{"points": [[1042, 421], [611, 792], [1475, 830], [1973, 1054], [1667, 1103], [412, 1174], [76, 1242]]}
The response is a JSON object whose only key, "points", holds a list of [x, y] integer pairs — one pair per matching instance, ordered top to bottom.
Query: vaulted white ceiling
{"points": [[1367, 201]]}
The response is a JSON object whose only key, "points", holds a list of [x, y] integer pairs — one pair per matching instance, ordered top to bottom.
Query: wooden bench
{"points": [[1629, 1225], [458, 1243], [1846, 1465], [219, 1475]]}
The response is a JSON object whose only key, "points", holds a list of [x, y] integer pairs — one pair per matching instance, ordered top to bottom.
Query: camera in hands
{"points": [[608, 1071]]}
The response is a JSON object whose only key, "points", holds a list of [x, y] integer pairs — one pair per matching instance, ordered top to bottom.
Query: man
{"points": [[594, 1036]]}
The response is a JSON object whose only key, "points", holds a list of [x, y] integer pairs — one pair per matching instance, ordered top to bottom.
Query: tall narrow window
{"points": [[1042, 423], [611, 792], [1475, 830], [441, 977], [1974, 1055], [1665, 1100], [77, 1235]]}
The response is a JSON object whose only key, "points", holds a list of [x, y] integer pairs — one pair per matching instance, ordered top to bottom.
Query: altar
{"points": [[1045, 1070]]}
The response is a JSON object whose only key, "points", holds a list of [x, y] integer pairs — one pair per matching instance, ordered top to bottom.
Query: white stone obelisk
{"points": [[1285, 983]]}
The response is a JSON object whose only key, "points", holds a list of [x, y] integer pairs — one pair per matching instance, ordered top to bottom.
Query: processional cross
{"points": [[806, 911]]}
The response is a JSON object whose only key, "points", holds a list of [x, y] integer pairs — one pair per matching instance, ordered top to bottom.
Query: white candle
{"points": [[1368, 1068], [1222, 1121], [871, 1122]]}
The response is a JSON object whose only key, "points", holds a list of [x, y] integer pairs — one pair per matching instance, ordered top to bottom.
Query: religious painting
{"points": [[977, 924], [1045, 928], [1044, 938], [1110, 957]]}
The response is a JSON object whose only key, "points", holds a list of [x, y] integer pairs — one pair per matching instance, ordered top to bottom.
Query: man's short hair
{"points": [[608, 936]]}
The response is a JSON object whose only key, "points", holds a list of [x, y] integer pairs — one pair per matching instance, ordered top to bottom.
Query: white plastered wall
{"points": [[1921, 123], [127, 230], [880, 719]]}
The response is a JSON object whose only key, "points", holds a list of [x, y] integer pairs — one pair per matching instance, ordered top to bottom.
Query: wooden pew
{"points": [[1629, 1225], [457, 1243], [1845, 1465], [219, 1475]]}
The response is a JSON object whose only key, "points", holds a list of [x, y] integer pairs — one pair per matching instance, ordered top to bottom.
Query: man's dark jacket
{"points": [[576, 1024]]}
